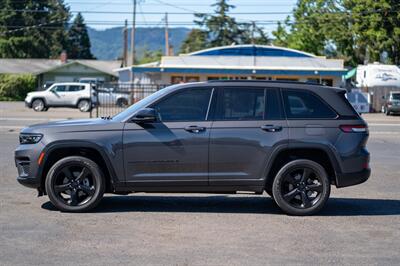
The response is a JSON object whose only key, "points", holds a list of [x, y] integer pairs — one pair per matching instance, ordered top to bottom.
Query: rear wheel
{"points": [[122, 102], [38, 105], [84, 105], [75, 184], [301, 187]]}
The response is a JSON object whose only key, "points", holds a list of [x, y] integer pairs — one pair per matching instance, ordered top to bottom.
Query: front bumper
{"points": [[28, 104], [26, 161]]}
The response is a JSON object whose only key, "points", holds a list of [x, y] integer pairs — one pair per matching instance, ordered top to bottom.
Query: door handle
{"points": [[271, 128], [195, 129]]}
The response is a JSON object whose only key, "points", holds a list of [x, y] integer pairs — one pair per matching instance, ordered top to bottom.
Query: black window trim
{"points": [[312, 93]]}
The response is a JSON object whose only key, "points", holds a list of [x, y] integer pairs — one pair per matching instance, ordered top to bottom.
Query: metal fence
{"points": [[109, 99]]}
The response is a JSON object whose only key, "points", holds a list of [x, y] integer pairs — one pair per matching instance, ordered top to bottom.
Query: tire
{"points": [[122, 102], [38, 105], [84, 105], [46, 109], [75, 184], [301, 187]]}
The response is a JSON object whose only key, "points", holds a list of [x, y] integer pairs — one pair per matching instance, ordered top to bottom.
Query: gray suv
{"points": [[292, 140]]}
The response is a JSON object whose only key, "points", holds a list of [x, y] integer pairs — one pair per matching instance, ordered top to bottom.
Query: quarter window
{"points": [[241, 104], [187, 105], [305, 105]]}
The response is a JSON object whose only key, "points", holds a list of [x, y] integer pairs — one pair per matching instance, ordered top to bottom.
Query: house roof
{"points": [[39, 66]]}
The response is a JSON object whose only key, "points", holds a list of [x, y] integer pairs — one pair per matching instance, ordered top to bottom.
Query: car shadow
{"points": [[237, 204]]}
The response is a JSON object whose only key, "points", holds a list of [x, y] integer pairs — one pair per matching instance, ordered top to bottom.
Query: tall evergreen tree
{"points": [[221, 29], [39, 33], [78, 40]]}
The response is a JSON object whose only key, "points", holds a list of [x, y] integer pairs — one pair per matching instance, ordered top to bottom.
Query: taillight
{"points": [[354, 128]]}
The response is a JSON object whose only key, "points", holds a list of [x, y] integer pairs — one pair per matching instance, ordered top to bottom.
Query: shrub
{"points": [[15, 87]]}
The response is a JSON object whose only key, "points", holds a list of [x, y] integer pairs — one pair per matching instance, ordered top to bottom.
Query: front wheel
{"points": [[38, 105], [75, 184], [301, 187]]}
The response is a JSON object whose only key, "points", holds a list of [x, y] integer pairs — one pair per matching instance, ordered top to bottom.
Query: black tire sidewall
{"points": [[96, 173], [286, 207]]}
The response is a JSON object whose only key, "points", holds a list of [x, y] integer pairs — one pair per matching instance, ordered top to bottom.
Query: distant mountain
{"points": [[107, 44]]}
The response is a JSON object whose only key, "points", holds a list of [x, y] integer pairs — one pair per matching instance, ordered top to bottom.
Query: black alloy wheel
{"points": [[75, 184], [301, 187]]}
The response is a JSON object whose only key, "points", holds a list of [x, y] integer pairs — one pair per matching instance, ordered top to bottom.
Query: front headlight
{"points": [[25, 138]]}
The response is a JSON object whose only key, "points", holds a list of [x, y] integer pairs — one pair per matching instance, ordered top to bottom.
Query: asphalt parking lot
{"points": [[360, 224]]}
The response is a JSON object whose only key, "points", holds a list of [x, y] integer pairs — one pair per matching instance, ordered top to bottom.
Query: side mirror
{"points": [[146, 115]]}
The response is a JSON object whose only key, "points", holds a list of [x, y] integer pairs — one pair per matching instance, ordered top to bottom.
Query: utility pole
{"points": [[253, 29], [133, 32], [166, 35], [125, 45]]}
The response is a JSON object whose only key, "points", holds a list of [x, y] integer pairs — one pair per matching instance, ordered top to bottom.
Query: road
{"points": [[360, 224]]}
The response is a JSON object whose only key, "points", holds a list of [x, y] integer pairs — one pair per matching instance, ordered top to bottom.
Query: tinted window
{"points": [[60, 88], [75, 88], [396, 96], [241, 104], [303, 104], [187, 105], [274, 110]]}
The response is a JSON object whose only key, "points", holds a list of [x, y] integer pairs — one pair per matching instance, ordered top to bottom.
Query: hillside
{"points": [[107, 44]]}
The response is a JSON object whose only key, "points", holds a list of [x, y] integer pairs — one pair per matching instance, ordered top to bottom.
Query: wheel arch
{"points": [[39, 98], [82, 98], [58, 150], [317, 152]]}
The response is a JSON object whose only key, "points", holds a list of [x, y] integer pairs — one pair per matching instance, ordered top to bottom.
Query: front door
{"points": [[56, 97], [249, 124], [174, 150]]}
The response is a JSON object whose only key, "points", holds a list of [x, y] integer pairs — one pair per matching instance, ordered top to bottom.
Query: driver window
{"points": [[186, 105]]}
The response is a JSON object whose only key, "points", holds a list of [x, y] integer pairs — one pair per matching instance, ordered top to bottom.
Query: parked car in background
{"points": [[74, 95], [109, 96], [392, 103], [292, 140]]}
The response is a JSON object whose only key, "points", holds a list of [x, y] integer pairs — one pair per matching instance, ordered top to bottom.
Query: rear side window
{"points": [[75, 88], [241, 104], [301, 104], [186, 105]]}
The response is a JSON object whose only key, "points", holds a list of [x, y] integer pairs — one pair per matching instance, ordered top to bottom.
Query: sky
{"points": [[104, 14]]}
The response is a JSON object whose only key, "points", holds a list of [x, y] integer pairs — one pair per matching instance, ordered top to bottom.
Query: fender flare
{"points": [[78, 144], [292, 146]]}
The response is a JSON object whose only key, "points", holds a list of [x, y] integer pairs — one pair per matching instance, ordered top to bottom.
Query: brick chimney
{"points": [[63, 57]]}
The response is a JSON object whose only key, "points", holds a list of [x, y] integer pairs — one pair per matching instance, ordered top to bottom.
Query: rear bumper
{"points": [[351, 179]]}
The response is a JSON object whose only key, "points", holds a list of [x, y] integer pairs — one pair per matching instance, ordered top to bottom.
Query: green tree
{"points": [[221, 29], [39, 33], [78, 39], [195, 41], [150, 56]]}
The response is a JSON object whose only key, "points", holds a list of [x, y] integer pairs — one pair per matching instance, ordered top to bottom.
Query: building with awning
{"points": [[235, 62]]}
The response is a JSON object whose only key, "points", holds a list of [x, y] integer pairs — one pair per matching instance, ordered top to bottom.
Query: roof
{"points": [[252, 50], [245, 60], [39, 66]]}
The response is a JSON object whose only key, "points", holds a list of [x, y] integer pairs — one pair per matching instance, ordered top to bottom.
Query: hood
{"points": [[66, 125]]}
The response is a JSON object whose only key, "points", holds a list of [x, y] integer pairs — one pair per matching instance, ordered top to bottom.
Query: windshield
{"points": [[396, 96], [142, 103]]}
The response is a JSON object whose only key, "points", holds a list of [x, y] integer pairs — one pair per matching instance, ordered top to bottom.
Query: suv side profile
{"points": [[76, 95], [292, 140]]}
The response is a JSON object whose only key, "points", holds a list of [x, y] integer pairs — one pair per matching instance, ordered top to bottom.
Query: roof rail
{"points": [[265, 81]]}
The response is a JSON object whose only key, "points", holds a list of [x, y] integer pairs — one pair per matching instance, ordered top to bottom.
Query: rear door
{"points": [[249, 124]]}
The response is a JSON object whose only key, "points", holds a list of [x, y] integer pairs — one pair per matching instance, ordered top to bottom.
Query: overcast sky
{"points": [[106, 20]]}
